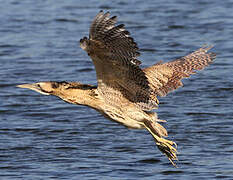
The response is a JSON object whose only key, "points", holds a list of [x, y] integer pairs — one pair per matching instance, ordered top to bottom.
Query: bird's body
{"points": [[125, 92]]}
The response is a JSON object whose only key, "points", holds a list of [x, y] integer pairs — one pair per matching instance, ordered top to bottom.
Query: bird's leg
{"points": [[165, 146]]}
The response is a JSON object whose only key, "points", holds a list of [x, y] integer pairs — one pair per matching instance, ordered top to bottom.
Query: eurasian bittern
{"points": [[126, 93]]}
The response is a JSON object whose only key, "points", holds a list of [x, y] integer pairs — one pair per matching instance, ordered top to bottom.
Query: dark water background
{"points": [[41, 137]]}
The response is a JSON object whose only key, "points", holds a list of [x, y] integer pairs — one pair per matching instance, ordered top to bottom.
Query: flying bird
{"points": [[126, 93]]}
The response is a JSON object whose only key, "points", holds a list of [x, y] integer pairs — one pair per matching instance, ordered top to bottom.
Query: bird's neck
{"points": [[82, 95]]}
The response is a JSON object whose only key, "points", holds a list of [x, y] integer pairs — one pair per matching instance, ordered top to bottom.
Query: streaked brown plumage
{"points": [[126, 93]]}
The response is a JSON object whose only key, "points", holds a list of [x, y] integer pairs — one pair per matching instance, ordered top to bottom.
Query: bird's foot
{"points": [[165, 146], [168, 148]]}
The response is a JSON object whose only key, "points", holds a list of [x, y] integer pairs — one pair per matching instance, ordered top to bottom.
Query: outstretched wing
{"points": [[115, 39], [114, 54], [167, 77]]}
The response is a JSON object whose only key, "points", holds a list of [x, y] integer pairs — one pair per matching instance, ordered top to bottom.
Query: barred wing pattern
{"points": [[116, 39], [114, 54], [117, 67], [164, 78]]}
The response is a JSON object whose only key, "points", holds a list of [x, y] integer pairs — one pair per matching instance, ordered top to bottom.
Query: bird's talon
{"points": [[166, 147]]}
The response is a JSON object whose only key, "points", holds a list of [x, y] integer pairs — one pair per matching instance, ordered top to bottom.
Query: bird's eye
{"points": [[55, 85]]}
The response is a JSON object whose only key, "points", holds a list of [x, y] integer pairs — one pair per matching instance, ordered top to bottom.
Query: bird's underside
{"points": [[126, 93]]}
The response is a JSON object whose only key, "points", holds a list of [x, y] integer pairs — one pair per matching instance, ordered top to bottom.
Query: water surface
{"points": [[41, 137]]}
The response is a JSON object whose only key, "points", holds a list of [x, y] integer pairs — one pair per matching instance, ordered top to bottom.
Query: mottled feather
{"points": [[115, 39], [114, 54], [164, 78]]}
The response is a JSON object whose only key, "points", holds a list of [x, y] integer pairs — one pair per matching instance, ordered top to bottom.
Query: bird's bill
{"points": [[35, 87]]}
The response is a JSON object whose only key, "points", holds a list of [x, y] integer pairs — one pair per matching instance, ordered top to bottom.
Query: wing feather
{"points": [[115, 39], [114, 54], [164, 78]]}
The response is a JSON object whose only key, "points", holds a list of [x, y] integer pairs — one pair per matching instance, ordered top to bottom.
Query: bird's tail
{"points": [[167, 147]]}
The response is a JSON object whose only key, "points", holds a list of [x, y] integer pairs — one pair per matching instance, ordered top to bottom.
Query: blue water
{"points": [[41, 137]]}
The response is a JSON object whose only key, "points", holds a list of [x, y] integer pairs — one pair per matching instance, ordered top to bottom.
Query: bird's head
{"points": [[84, 43], [46, 88], [72, 92]]}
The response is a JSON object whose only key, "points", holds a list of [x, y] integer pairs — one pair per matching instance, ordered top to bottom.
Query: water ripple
{"points": [[42, 137]]}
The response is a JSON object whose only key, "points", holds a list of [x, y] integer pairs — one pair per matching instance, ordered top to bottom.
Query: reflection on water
{"points": [[42, 137]]}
